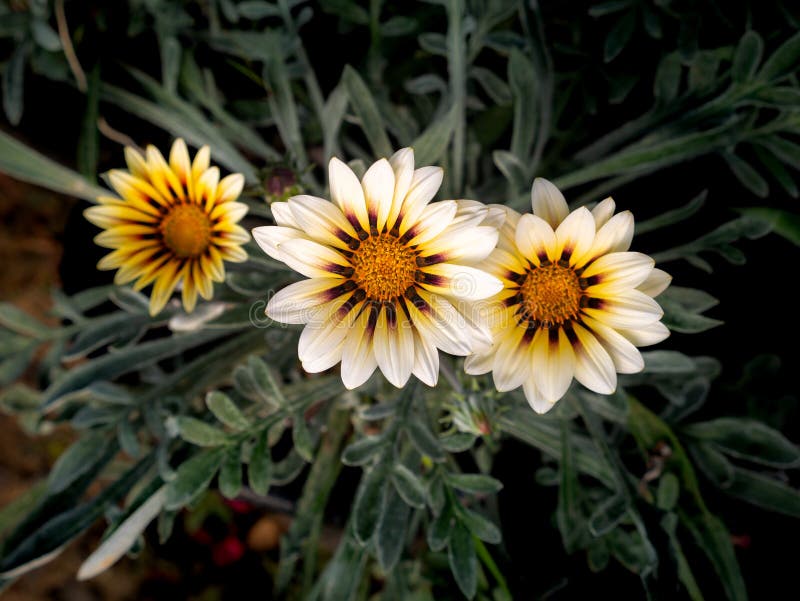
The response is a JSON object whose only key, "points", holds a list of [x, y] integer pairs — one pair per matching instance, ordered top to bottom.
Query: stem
{"points": [[456, 65], [488, 561]]}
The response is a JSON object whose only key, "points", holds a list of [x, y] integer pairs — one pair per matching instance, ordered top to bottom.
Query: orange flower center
{"points": [[187, 231], [383, 267], [551, 294]]}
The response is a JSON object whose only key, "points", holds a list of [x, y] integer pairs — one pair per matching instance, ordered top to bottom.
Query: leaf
{"points": [[257, 9], [344, 9], [398, 26], [44, 35], [619, 36], [435, 43], [747, 56], [783, 61], [170, 62], [703, 71], [668, 78], [522, 80], [14, 83], [495, 87], [283, 106], [366, 108], [89, 140], [431, 144], [26, 164], [513, 170], [777, 170], [749, 177], [674, 216], [781, 222], [679, 318], [17, 320], [124, 361], [666, 362], [265, 383], [226, 411], [379, 412], [198, 432], [301, 436], [423, 439], [747, 439], [458, 442], [364, 450], [76, 461], [712, 463], [259, 470], [230, 474], [193, 477], [475, 483], [409, 486], [669, 489], [765, 492], [369, 501], [608, 515], [669, 523], [480, 526], [391, 534], [438, 534], [50, 537], [123, 538], [463, 562]]}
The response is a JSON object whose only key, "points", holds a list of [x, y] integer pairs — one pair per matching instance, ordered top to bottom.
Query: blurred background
{"points": [[606, 55]]}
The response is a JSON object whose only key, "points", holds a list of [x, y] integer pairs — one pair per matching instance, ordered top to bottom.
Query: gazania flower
{"points": [[175, 223], [385, 267], [575, 302]]}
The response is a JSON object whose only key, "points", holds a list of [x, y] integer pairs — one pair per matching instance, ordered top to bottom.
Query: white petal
{"points": [[178, 161], [402, 163], [378, 184], [424, 186], [230, 187], [346, 191], [548, 202], [603, 211], [471, 213], [283, 215], [322, 220], [433, 221], [575, 235], [615, 236], [269, 237], [535, 239], [463, 245], [311, 259], [617, 272], [460, 281], [656, 283], [297, 302], [628, 310], [440, 323], [647, 334], [322, 341], [393, 345], [626, 357], [358, 359], [426, 360], [479, 362], [512, 362], [553, 363], [593, 365], [535, 399]]}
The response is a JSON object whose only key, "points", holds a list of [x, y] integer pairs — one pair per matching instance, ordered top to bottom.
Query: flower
{"points": [[175, 223], [385, 267], [575, 302]]}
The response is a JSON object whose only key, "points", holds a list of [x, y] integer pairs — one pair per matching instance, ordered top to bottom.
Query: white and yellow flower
{"points": [[175, 224], [386, 269], [575, 301]]}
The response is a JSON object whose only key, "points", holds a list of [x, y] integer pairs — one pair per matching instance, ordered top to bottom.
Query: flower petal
{"points": [[402, 163], [378, 183], [424, 186], [230, 187], [346, 191], [548, 202], [603, 211], [283, 215], [323, 221], [433, 221], [575, 235], [615, 236], [268, 237], [535, 239], [463, 245], [312, 259], [617, 272], [460, 281], [656, 283], [298, 302], [628, 310], [647, 334], [393, 345], [626, 357], [358, 358], [426, 360], [512, 361], [554, 362], [593, 365], [535, 399]]}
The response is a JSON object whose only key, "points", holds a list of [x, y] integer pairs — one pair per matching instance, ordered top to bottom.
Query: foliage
{"points": [[171, 406]]}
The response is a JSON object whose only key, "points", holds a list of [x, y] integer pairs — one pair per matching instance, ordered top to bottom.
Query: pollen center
{"points": [[187, 231], [383, 267], [551, 295]]}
